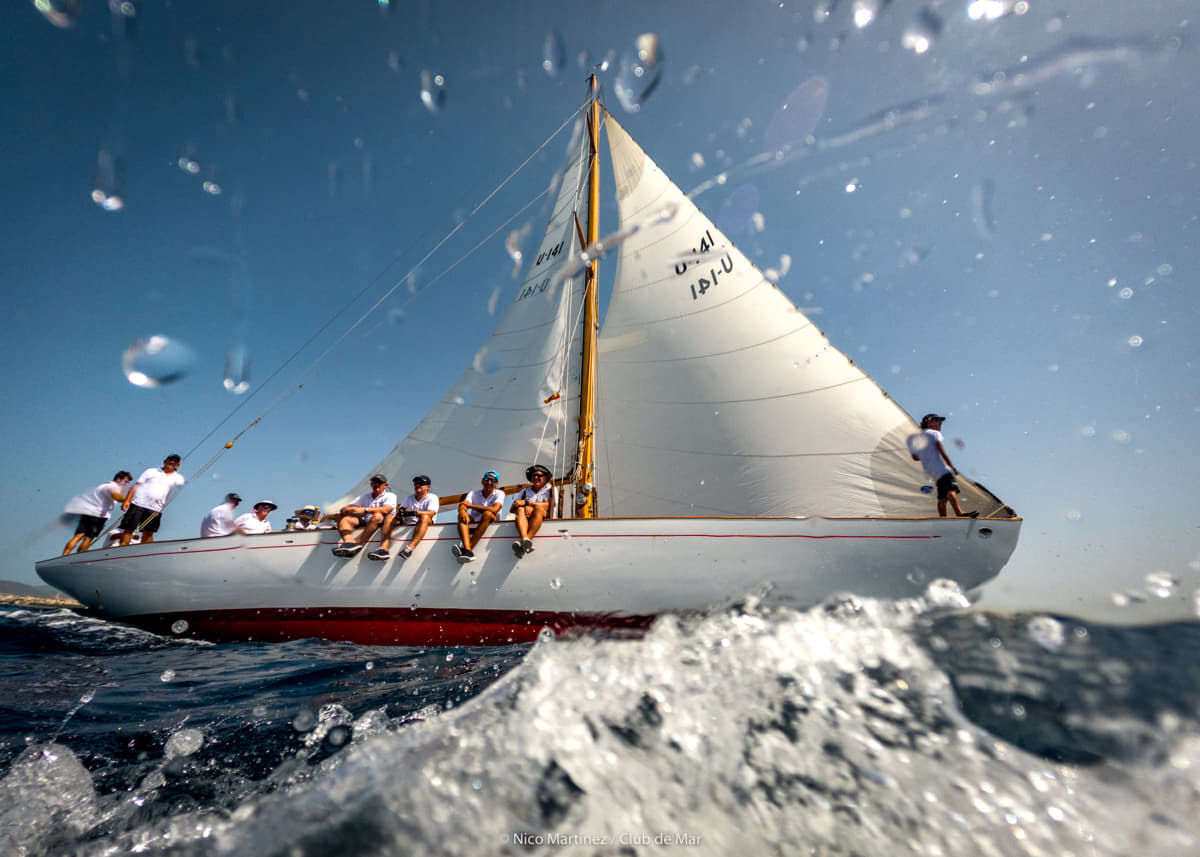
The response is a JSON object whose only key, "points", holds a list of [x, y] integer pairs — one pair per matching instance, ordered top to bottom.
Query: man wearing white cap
{"points": [[255, 521]]}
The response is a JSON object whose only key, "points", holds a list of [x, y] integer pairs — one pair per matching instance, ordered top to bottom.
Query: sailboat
{"points": [[708, 442]]}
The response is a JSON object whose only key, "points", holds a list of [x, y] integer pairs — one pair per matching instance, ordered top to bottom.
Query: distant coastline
{"points": [[23, 595]]}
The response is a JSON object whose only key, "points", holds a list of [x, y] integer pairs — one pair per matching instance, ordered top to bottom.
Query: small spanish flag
{"points": [[552, 398]]}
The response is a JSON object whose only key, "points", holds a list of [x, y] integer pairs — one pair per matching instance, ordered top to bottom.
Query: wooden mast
{"points": [[585, 495]]}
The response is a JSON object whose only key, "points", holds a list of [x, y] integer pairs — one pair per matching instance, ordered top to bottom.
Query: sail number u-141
{"points": [[704, 283]]}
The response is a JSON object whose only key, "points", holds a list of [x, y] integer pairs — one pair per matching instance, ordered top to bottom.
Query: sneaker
{"points": [[969, 515], [527, 545], [345, 549], [352, 550], [457, 550], [518, 551], [405, 552], [380, 554], [465, 556]]}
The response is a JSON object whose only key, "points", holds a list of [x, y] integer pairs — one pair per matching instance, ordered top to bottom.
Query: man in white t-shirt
{"points": [[927, 448], [153, 490], [531, 507], [93, 508], [479, 508], [417, 511], [368, 512], [308, 518], [219, 520], [255, 521]]}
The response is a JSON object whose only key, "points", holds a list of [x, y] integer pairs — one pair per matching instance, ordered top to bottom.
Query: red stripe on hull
{"points": [[382, 626]]}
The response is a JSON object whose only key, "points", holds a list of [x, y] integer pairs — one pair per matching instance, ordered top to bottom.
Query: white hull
{"points": [[607, 574]]}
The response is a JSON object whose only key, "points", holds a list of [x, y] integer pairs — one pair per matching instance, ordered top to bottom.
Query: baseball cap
{"points": [[492, 474], [379, 479], [421, 480], [232, 498]]}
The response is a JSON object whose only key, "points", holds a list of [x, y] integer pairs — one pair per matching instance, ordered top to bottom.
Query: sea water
{"points": [[854, 728]]}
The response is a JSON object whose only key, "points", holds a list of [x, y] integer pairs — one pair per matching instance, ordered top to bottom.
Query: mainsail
{"points": [[716, 395], [516, 404]]}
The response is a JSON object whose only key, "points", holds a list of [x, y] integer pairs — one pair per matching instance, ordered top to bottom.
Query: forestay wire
{"points": [[323, 360]]}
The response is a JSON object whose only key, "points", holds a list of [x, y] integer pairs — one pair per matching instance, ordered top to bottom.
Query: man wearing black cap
{"points": [[927, 448], [153, 490], [530, 507], [417, 511], [368, 512], [219, 521], [255, 521]]}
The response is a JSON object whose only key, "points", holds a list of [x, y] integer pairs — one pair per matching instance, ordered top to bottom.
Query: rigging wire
{"points": [[315, 367]]}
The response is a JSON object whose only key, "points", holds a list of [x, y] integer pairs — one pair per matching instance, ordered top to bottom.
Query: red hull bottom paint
{"points": [[382, 626]]}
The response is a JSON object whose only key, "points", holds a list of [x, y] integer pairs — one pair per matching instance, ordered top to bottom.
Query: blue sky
{"points": [[991, 252]]}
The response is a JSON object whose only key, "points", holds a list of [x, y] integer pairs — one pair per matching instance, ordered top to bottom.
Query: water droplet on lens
{"points": [[865, 12], [60, 13], [922, 32], [554, 54], [639, 73], [433, 91], [108, 182], [1125, 293], [1135, 341], [156, 360], [237, 370], [556, 583], [1161, 584], [179, 626], [1047, 632], [545, 636], [167, 675], [304, 720], [185, 742]]}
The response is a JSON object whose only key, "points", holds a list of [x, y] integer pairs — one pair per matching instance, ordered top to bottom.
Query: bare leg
{"points": [[954, 502], [536, 516], [464, 522], [523, 522], [389, 523], [346, 526], [369, 528], [419, 531], [476, 534], [125, 537], [147, 538], [71, 544], [85, 544]]}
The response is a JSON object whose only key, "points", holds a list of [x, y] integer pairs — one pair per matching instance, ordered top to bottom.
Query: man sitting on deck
{"points": [[531, 507], [480, 508], [417, 511], [368, 512]]}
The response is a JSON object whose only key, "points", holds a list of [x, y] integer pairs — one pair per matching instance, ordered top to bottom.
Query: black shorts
{"points": [[945, 485], [132, 520], [90, 526]]}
